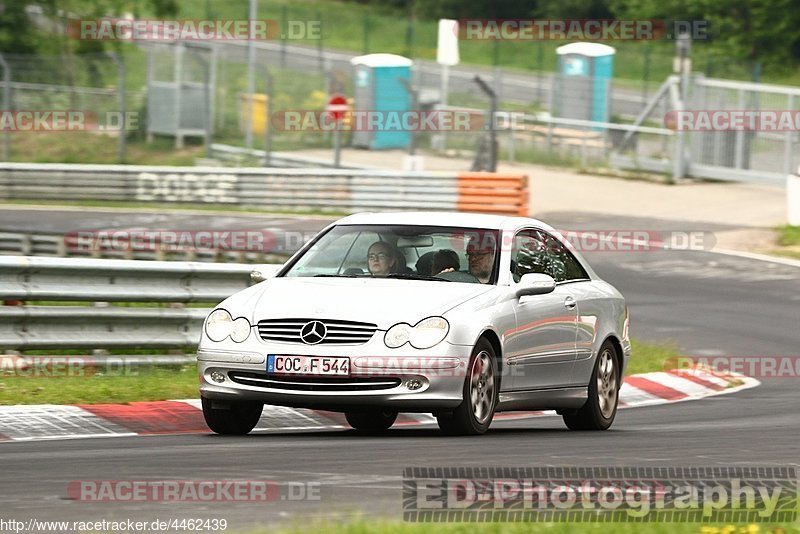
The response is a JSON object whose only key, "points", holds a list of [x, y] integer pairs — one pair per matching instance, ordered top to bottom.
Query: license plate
{"points": [[308, 365]]}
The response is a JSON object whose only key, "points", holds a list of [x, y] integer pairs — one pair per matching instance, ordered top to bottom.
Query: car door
{"points": [[571, 276], [542, 350]]}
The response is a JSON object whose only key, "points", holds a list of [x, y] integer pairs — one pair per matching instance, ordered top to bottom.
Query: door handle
{"points": [[569, 303]]}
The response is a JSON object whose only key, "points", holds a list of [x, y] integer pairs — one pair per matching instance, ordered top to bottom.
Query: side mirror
{"points": [[263, 272], [535, 284]]}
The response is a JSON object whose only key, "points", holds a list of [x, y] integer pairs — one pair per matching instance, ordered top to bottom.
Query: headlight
{"points": [[219, 325], [240, 329], [429, 332], [424, 335], [397, 336]]}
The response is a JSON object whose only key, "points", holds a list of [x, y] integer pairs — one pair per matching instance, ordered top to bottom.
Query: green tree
{"points": [[465, 9], [574, 9], [749, 30], [17, 34]]}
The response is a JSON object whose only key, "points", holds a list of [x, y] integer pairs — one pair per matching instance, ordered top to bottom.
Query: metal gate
{"points": [[743, 155]]}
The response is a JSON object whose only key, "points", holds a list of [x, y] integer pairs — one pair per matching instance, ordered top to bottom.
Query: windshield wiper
{"points": [[410, 276]]}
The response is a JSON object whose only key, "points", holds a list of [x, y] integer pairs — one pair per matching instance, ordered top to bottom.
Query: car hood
{"points": [[383, 302]]}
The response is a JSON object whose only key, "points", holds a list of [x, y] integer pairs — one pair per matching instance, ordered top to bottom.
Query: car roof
{"points": [[442, 218]]}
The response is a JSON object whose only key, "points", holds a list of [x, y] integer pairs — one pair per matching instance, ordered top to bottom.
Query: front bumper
{"points": [[405, 379]]}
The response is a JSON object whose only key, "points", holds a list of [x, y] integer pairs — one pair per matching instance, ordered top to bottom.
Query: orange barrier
{"points": [[493, 192]]}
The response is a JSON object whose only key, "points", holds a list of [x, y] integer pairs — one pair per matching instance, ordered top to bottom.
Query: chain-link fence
{"points": [[201, 91], [72, 98]]}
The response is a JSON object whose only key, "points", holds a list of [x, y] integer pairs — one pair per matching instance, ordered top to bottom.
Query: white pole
{"points": [[445, 83], [337, 145], [793, 199]]}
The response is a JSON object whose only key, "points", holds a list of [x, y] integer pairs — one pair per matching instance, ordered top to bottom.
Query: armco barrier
{"points": [[342, 190], [69, 245], [105, 284]]}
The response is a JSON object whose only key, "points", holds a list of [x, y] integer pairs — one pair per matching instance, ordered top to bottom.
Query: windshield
{"points": [[447, 254]]}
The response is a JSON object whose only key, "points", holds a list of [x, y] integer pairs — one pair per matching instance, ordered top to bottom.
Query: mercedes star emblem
{"points": [[313, 332]]}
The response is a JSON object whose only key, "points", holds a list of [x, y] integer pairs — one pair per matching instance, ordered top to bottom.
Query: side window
{"points": [[536, 251], [528, 254], [564, 266]]}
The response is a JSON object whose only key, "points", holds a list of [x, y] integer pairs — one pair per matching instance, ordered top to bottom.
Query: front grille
{"points": [[339, 332], [314, 383]]}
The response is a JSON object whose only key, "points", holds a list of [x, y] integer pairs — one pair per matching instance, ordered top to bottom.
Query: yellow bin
{"points": [[260, 110]]}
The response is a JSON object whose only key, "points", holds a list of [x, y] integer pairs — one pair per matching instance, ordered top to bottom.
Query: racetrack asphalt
{"points": [[709, 304]]}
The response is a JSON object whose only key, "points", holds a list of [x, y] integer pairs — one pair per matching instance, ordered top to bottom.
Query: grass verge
{"points": [[789, 236], [789, 241], [649, 357], [77, 384], [84, 384], [387, 527]]}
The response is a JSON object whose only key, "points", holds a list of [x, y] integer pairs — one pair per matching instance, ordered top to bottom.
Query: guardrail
{"points": [[289, 189], [69, 245], [115, 303]]}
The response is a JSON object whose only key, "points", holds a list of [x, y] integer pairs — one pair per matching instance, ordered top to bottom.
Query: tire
{"points": [[481, 392], [601, 408], [236, 420], [371, 421]]}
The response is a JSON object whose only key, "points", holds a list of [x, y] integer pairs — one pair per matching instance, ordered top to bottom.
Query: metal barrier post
{"points": [[284, 26], [683, 44], [320, 53], [251, 59], [178, 93], [413, 95], [6, 105], [492, 113], [208, 114], [267, 125], [121, 135], [739, 136], [787, 143], [511, 147], [793, 199]]}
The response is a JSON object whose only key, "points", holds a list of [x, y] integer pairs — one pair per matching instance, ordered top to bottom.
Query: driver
{"points": [[480, 255], [381, 259]]}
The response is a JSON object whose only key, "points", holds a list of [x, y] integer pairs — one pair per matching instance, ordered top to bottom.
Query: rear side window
{"points": [[536, 251]]}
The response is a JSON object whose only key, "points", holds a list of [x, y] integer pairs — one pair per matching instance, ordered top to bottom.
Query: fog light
{"points": [[217, 377], [413, 384]]}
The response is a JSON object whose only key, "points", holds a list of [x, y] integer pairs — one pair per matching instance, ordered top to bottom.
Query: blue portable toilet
{"points": [[583, 85], [378, 87]]}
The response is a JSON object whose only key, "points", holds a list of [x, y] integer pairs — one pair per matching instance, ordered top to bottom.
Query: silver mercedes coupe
{"points": [[455, 314]]}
